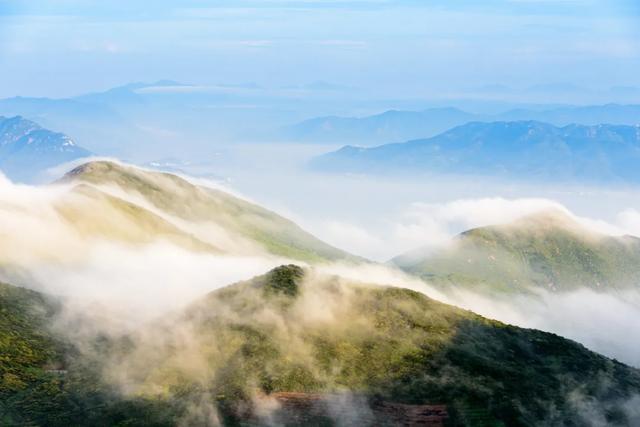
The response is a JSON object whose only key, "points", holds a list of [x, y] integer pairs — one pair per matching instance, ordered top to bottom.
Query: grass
{"points": [[243, 220], [538, 252], [291, 331], [395, 344]]}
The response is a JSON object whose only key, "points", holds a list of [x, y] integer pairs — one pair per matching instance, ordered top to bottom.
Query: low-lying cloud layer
{"points": [[432, 225], [67, 244], [123, 282], [599, 321]]}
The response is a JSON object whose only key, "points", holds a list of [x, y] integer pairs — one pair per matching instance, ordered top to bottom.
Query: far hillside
{"points": [[398, 125], [522, 150], [549, 251]]}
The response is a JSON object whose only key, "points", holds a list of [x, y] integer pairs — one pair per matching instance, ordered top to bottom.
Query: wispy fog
{"points": [[237, 98], [381, 217], [377, 219], [68, 244], [600, 321]]}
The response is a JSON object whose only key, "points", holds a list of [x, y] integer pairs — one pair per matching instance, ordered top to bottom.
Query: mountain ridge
{"points": [[392, 126], [27, 149], [522, 150], [196, 204], [547, 250], [382, 343]]}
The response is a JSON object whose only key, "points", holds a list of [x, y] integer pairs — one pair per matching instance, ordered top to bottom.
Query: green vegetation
{"points": [[93, 213], [240, 220], [548, 251], [284, 280], [293, 330], [398, 345], [25, 347], [30, 357], [46, 381]]}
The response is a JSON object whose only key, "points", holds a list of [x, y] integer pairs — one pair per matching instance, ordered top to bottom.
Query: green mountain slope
{"points": [[95, 214], [225, 222], [547, 250], [309, 336], [392, 344], [25, 345], [31, 359], [46, 379]]}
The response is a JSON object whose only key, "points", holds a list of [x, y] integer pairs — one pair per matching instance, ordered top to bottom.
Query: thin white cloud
{"points": [[432, 225]]}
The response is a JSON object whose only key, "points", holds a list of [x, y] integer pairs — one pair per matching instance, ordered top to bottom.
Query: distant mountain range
{"points": [[142, 121], [114, 122], [390, 126], [396, 126], [27, 150], [522, 150], [548, 250], [255, 353]]}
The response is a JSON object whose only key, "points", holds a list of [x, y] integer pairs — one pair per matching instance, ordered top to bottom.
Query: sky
{"points": [[400, 48]]}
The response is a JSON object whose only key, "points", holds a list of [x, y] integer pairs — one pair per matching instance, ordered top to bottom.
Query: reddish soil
{"points": [[355, 410]]}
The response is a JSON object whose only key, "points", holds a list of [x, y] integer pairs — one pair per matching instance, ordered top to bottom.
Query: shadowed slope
{"points": [[295, 331]]}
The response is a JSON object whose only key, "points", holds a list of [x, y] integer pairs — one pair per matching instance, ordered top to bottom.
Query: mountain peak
{"points": [[17, 123], [27, 149], [521, 149], [94, 167], [102, 171], [548, 218], [547, 222], [243, 226], [548, 250], [284, 280], [387, 346]]}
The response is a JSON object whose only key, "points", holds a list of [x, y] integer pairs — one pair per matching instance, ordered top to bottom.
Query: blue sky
{"points": [[390, 48]]}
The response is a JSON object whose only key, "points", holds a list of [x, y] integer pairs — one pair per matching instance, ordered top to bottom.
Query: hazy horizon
{"points": [[386, 49]]}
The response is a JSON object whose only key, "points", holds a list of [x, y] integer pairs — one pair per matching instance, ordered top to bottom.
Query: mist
{"points": [[381, 217], [75, 246], [159, 276], [249, 279], [134, 287], [600, 321]]}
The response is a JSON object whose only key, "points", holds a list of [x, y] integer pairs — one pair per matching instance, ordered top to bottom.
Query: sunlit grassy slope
{"points": [[95, 214], [236, 219], [548, 250], [294, 330]]}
